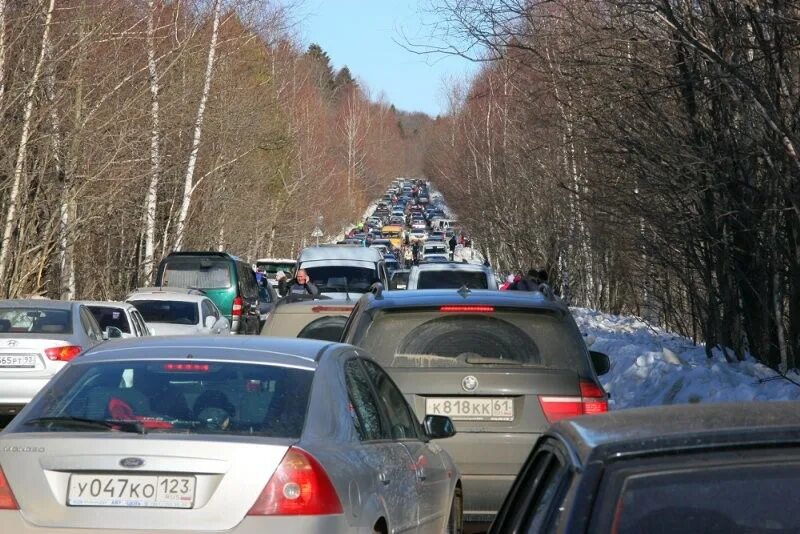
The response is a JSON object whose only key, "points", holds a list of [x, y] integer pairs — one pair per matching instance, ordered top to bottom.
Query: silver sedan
{"points": [[225, 434]]}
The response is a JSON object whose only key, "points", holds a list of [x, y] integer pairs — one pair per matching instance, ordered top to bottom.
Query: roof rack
{"points": [[168, 289]]}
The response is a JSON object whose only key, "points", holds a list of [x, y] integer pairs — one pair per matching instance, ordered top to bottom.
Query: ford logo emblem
{"points": [[469, 383], [131, 463]]}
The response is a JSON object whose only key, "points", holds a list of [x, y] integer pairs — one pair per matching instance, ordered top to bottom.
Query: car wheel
{"points": [[455, 522]]}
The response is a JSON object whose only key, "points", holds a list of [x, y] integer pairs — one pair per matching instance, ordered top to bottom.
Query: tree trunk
{"points": [[2, 53], [188, 186], [13, 199], [151, 199]]}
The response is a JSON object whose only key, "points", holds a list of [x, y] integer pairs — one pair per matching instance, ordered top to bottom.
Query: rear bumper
{"points": [[19, 391], [489, 463], [13, 522]]}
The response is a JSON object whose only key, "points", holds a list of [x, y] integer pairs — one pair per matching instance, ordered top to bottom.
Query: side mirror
{"points": [[210, 322], [112, 332], [600, 362], [438, 427]]}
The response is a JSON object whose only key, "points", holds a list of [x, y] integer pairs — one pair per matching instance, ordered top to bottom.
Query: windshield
{"points": [[272, 268], [198, 273], [341, 279], [452, 280], [167, 311], [107, 316], [35, 321], [430, 338], [164, 396], [688, 501]]}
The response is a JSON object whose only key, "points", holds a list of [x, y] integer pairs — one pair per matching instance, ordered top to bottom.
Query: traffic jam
{"points": [[389, 381]]}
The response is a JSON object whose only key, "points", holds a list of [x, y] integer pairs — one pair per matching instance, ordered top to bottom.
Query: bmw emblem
{"points": [[469, 383], [131, 463]]}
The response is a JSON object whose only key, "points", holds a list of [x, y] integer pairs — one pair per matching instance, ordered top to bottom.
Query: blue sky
{"points": [[362, 33]]}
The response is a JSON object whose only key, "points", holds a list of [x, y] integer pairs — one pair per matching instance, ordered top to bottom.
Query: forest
{"points": [[135, 127]]}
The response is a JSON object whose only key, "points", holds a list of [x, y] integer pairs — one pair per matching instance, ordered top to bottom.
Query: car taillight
{"points": [[238, 304], [62, 354], [592, 401], [300, 486], [7, 500]]}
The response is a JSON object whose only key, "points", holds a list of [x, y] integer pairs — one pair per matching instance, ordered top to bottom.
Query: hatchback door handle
{"points": [[383, 477]]}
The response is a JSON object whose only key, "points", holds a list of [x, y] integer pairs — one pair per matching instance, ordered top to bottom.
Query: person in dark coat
{"points": [[452, 243], [530, 282], [301, 287]]}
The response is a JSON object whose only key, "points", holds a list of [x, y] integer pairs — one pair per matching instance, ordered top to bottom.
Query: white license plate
{"points": [[18, 360], [472, 408], [139, 491]]}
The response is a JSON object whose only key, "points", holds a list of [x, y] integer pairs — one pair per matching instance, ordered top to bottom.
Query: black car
{"points": [[502, 365], [716, 468]]}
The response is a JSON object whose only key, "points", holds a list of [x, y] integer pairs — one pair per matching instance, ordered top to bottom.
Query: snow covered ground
{"points": [[650, 366]]}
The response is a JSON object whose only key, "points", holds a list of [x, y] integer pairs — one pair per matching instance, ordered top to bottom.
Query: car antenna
{"points": [[346, 290]]}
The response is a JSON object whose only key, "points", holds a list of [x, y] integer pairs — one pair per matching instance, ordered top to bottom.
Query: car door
{"points": [[139, 320], [222, 326], [388, 459], [432, 479], [534, 503]]}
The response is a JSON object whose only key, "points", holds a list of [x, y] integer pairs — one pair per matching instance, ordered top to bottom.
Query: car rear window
{"points": [[273, 268], [198, 273], [452, 280], [167, 311], [108, 316], [35, 321], [432, 338], [183, 396], [732, 499]]}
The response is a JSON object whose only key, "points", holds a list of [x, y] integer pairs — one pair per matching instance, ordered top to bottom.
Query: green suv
{"points": [[227, 280]]}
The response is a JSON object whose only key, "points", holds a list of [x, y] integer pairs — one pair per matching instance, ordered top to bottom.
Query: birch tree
{"points": [[19, 166], [188, 188], [151, 198]]}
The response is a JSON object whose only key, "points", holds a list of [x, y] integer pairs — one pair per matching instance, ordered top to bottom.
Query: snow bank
{"points": [[650, 366]]}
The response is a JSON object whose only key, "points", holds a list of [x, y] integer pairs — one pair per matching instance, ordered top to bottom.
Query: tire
{"points": [[455, 521]]}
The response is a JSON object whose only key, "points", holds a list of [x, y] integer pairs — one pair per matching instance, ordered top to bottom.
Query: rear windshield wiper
{"points": [[486, 360], [125, 426]]}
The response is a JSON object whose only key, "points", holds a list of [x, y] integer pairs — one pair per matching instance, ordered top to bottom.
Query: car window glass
{"points": [[198, 273], [207, 311], [111, 316], [137, 318], [35, 321], [90, 325], [181, 397], [364, 408], [403, 423], [544, 494], [739, 498]]}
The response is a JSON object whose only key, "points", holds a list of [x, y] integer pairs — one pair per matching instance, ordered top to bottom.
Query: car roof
{"points": [[203, 253], [339, 253], [274, 260], [452, 266], [157, 294], [421, 298], [39, 303], [108, 304], [262, 349], [661, 429]]}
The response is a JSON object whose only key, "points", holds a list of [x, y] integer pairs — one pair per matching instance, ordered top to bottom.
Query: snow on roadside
{"points": [[650, 366]]}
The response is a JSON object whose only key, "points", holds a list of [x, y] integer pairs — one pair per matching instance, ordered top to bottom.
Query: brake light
{"points": [[238, 304], [467, 308], [62, 354], [189, 367], [592, 401], [300, 486], [7, 500]]}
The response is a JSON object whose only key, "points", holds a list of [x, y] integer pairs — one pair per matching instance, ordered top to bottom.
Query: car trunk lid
{"points": [[74, 481]]}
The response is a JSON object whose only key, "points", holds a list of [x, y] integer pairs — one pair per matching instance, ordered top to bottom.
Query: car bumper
{"points": [[19, 391], [489, 463], [14, 522]]}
